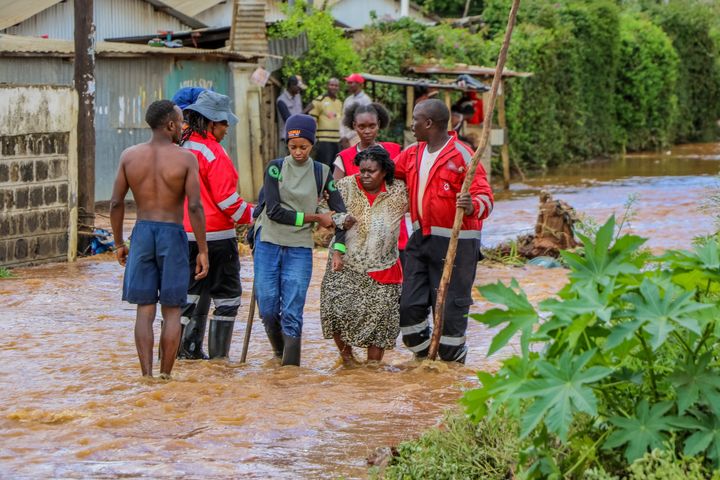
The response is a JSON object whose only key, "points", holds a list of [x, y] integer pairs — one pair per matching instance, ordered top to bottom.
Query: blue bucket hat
{"points": [[186, 96], [214, 106]]}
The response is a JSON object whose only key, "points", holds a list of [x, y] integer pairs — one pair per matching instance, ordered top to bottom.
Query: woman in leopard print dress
{"points": [[359, 302]]}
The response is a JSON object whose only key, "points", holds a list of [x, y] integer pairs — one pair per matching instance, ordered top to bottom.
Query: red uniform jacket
{"points": [[444, 183], [218, 189]]}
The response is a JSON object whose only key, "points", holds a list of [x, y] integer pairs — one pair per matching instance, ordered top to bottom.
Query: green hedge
{"points": [[688, 24], [645, 99]]}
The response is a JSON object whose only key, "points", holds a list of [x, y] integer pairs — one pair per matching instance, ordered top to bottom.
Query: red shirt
{"points": [[348, 156]]}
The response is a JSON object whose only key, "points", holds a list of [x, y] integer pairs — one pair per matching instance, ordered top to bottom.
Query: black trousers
{"points": [[326, 152], [424, 262], [222, 283]]}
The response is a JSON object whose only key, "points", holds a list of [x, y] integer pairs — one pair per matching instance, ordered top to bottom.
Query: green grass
{"points": [[5, 272], [458, 449]]}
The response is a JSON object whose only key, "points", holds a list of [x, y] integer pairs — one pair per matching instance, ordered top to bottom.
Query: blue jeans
{"points": [[282, 278]]}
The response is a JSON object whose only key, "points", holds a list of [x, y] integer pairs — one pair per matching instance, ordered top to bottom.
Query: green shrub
{"points": [[330, 54], [645, 97], [5, 273], [626, 359], [458, 449]]}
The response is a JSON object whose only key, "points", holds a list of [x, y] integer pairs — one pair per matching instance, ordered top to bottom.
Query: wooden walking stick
{"points": [[459, 213], [248, 327]]}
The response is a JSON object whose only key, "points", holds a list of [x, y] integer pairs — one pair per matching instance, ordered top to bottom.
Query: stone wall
{"points": [[37, 192]]}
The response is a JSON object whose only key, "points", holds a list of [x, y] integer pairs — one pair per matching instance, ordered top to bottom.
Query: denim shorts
{"points": [[158, 265]]}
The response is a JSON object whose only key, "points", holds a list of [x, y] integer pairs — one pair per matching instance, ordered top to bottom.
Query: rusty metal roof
{"points": [[191, 7], [14, 12], [13, 45], [460, 69], [418, 82]]}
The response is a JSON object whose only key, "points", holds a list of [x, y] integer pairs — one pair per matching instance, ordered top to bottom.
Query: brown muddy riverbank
{"points": [[74, 405]]}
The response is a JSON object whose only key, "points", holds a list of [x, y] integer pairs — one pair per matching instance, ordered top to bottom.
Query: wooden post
{"points": [[84, 82], [410, 99], [448, 104], [504, 150], [73, 182], [459, 212]]}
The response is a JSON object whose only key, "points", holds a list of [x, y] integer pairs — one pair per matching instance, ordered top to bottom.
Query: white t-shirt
{"points": [[426, 163]]}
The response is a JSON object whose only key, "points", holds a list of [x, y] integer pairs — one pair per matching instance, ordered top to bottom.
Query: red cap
{"points": [[355, 77]]}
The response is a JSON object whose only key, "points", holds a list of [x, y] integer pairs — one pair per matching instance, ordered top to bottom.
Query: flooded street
{"points": [[74, 404]]}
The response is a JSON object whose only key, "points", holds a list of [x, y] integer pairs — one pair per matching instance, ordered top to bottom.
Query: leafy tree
{"points": [[330, 54]]}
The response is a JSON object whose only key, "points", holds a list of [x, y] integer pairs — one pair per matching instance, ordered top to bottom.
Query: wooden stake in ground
{"points": [[459, 213], [248, 327]]}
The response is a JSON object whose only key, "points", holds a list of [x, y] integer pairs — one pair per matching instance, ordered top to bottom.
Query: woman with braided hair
{"points": [[367, 121]]}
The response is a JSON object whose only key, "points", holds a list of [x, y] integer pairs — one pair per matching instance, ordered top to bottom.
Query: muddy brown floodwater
{"points": [[74, 405]]}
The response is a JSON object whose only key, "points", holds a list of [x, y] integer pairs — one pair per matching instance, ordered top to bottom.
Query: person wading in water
{"points": [[160, 175]]}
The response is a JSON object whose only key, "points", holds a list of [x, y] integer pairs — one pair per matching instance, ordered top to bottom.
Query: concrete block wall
{"points": [[36, 192], [33, 198]]}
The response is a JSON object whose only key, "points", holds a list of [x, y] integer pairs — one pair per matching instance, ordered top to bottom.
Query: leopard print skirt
{"points": [[364, 312]]}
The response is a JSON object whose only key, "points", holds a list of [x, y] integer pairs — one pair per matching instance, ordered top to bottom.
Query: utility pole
{"points": [[404, 8], [84, 82]]}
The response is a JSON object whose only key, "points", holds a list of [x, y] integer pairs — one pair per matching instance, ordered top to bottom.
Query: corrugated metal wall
{"points": [[113, 18], [36, 71], [125, 88]]}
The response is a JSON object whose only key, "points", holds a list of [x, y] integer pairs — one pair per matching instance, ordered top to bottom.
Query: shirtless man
{"points": [[160, 175]]}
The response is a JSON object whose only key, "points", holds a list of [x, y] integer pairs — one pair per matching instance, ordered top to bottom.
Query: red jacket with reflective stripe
{"points": [[444, 183], [218, 189]]}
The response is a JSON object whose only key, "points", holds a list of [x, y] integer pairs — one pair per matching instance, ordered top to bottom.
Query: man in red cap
{"points": [[355, 84]]}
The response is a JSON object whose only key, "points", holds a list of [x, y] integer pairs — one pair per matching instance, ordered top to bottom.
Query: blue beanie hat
{"points": [[300, 126]]}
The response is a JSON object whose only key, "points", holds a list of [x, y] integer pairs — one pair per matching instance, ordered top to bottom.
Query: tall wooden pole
{"points": [[84, 81], [504, 150], [459, 213]]}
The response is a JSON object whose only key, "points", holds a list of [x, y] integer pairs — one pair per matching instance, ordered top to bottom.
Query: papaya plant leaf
{"points": [[601, 262], [588, 300], [662, 313], [520, 315], [620, 333], [696, 381], [559, 391], [476, 399], [643, 431], [707, 438]]}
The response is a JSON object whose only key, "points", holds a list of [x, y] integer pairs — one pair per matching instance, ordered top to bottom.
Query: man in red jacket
{"points": [[208, 121], [434, 170]]}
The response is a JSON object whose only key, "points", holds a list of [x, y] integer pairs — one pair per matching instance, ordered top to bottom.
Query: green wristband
{"points": [[299, 219], [340, 247]]}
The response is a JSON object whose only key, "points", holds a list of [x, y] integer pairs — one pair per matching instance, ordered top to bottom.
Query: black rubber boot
{"points": [[193, 334], [220, 337], [192, 339], [276, 341], [291, 352]]}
